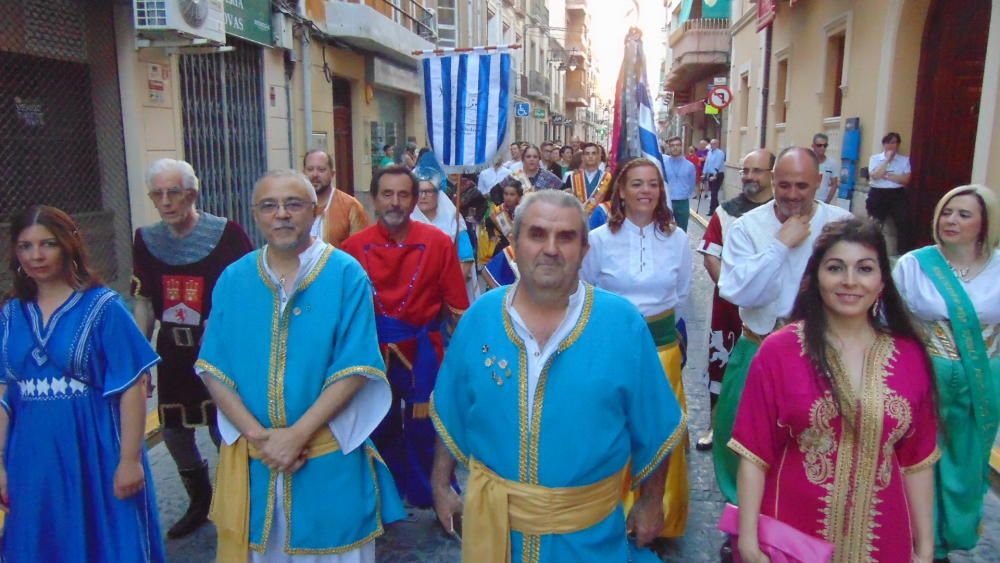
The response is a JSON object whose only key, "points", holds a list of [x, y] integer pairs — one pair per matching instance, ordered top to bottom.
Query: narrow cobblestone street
{"points": [[419, 540]]}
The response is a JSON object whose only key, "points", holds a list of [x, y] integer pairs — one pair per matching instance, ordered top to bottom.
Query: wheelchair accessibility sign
{"points": [[522, 109]]}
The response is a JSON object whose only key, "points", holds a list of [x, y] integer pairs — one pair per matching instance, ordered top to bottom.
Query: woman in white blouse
{"points": [[643, 256], [953, 288]]}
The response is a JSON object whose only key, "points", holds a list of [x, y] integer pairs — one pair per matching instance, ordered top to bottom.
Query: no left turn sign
{"points": [[720, 97]]}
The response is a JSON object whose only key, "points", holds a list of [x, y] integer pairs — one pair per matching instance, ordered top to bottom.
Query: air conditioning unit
{"points": [[180, 19]]}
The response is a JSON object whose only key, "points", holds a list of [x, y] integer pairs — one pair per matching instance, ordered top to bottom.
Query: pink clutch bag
{"points": [[779, 541]]}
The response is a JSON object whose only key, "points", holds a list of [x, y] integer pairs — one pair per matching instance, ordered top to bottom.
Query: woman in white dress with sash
{"points": [[643, 256], [953, 288]]}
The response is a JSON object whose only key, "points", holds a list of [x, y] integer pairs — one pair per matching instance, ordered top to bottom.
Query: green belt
{"points": [[663, 327]]}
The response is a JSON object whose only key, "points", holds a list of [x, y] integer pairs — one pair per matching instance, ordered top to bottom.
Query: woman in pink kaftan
{"points": [[836, 426]]}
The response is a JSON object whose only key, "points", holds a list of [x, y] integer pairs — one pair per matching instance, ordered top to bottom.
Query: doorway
{"points": [[946, 115], [343, 140]]}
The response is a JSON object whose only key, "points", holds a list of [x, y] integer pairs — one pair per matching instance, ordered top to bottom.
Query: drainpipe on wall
{"points": [[306, 81], [765, 89]]}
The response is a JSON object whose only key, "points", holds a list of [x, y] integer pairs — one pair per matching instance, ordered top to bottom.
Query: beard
{"points": [[751, 189], [394, 216]]}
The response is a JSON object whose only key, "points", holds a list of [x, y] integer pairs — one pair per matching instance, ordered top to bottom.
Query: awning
{"points": [[766, 10], [693, 107]]}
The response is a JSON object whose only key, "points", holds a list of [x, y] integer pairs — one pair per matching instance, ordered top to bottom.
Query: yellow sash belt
{"points": [[231, 502], [494, 506]]}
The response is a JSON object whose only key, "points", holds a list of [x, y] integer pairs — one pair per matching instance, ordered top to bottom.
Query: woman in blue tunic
{"points": [[73, 365]]}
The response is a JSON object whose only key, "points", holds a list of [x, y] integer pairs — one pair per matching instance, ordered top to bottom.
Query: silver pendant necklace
{"points": [[962, 273]]}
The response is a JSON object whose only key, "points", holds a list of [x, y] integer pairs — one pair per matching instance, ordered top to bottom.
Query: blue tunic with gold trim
{"points": [[279, 363], [597, 407]]}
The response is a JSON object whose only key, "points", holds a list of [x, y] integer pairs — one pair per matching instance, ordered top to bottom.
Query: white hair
{"points": [[294, 175], [189, 181]]}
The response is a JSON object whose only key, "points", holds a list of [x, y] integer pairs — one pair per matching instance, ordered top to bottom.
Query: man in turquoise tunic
{"points": [[291, 359], [552, 394]]}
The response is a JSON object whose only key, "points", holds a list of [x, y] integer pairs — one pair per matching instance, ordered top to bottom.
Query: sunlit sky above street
{"points": [[610, 20]]}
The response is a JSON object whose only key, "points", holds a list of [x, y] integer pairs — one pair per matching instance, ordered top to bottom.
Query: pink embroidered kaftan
{"points": [[844, 487]]}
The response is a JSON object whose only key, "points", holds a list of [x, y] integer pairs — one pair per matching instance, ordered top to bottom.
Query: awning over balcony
{"points": [[699, 9], [364, 27], [693, 107]]}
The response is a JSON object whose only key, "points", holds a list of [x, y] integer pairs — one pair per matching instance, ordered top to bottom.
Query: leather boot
{"points": [[199, 490]]}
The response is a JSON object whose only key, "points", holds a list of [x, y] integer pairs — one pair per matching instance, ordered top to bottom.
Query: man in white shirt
{"points": [[515, 157], [829, 170], [889, 172], [490, 177], [763, 259]]}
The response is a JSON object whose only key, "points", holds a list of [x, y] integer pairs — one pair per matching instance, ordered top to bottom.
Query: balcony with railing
{"points": [[539, 12], [392, 28], [700, 48], [521, 85], [539, 85], [577, 88]]}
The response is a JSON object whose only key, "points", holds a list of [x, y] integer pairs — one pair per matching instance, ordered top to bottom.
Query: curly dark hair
{"points": [[662, 216], [894, 320]]}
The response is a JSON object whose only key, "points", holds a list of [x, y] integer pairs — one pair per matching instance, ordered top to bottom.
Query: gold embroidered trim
{"points": [[320, 264], [138, 287], [940, 341], [395, 351], [202, 365], [369, 371], [278, 376], [522, 389], [899, 409], [184, 413], [536, 415], [446, 436], [818, 443], [665, 448], [745, 453], [372, 456], [929, 461], [852, 503], [268, 515]]}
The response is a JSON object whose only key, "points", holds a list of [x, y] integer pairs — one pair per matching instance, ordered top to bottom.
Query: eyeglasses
{"points": [[821, 145], [753, 171], [423, 193], [172, 194], [293, 206]]}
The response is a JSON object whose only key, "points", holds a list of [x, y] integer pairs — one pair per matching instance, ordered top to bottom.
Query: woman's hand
{"points": [[129, 478], [750, 551]]}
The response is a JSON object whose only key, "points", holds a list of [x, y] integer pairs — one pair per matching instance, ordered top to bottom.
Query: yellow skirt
{"points": [[675, 493]]}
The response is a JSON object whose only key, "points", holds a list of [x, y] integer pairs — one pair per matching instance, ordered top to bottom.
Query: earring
{"points": [[20, 272], [877, 308]]}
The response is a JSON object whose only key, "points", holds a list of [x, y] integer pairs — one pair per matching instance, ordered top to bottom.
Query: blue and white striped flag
{"points": [[467, 101], [634, 130]]}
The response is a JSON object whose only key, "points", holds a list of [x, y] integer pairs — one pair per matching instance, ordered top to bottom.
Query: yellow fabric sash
{"points": [[494, 506], [230, 509]]}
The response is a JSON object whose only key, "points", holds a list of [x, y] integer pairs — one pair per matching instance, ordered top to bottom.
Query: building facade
{"points": [[698, 42], [926, 69], [87, 82]]}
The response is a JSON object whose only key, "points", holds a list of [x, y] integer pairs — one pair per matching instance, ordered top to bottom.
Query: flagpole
{"points": [[450, 50]]}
